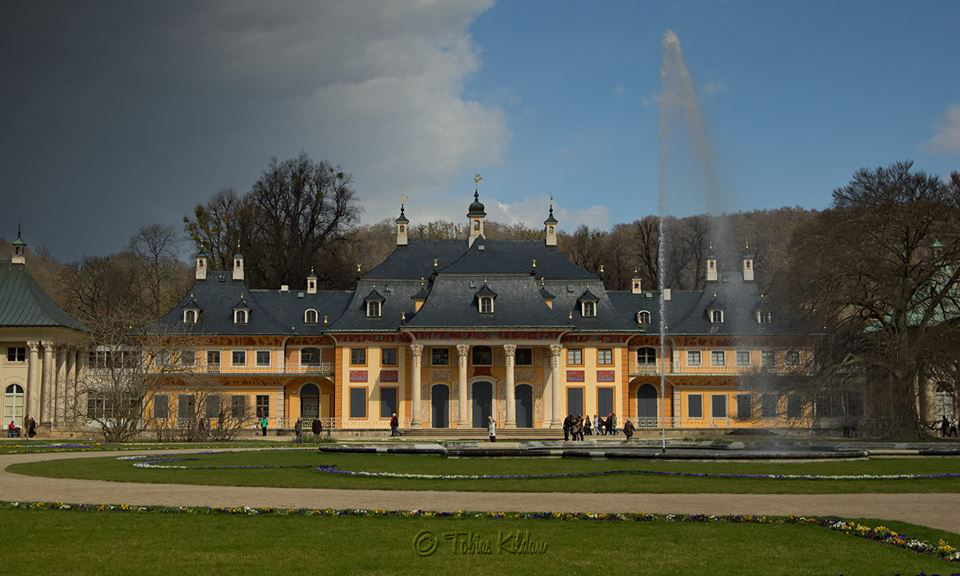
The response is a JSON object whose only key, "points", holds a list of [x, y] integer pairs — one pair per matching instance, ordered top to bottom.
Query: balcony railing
{"points": [[322, 368]]}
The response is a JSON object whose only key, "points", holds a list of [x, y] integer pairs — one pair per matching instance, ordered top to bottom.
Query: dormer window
{"points": [[486, 305], [374, 309], [588, 309], [190, 316], [241, 316], [716, 316], [310, 317], [643, 317], [764, 317]]}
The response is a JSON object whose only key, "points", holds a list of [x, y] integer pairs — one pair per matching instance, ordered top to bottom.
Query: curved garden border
{"points": [[164, 463]]}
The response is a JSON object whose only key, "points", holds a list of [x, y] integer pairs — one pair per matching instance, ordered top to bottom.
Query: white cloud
{"points": [[946, 140]]}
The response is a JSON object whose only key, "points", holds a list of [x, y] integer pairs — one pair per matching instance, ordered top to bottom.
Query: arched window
{"points": [[373, 309], [189, 316], [240, 316], [311, 316], [716, 316], [643, 317], [646, 356], [14, 389]]}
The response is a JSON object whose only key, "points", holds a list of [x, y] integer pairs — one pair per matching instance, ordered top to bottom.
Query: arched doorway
{"points": [[524, 396], [309, 402], [482, 403], [13, 405], [440, 406], [646, 406]]}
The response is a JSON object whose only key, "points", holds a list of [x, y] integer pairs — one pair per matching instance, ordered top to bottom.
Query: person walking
{"points": [[613, 423], [567, 424], [263, 425], [394, 425], [600, 425], [31, 427], [587, 427], [944, 427], [317, 428], [492, 428], [628, 430], [298, 431]]}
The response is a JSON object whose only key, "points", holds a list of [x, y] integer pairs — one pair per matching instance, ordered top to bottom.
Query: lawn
{"points": [[24, 446], [296, 469], [104, 543]]}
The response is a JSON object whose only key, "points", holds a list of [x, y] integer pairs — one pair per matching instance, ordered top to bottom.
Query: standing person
{"points": [[567, 423], [613, 423], [263, 425], [394, 425], [600, 425], [31, 427], [587, 427], [944, 427], [317, 428], [492, 428], [628, 430], [298, 431]]}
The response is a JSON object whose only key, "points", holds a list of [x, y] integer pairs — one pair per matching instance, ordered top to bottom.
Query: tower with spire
{"points": [[476, 214], [402, 225], [550, 227], [19, 249]]}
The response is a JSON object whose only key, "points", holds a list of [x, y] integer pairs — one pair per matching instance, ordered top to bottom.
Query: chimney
{"points": [[402, 225], [550, 227], [19, 256], [238, 264], [312, 282], [635, 283], [666, 294]]}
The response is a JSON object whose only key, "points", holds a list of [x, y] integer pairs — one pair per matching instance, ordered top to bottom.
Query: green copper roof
{"points": [[24, 303]]}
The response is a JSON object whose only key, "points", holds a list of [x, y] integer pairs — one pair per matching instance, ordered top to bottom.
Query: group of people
{"points": [[316, 427], [576, 427], [947, 428], [13, 431]]}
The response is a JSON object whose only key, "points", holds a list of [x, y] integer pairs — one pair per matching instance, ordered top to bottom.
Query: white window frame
{"points": [[485, 305], [374, 306], [588, 309], [187, 316], [306, 316], [713, 316], [241, 317], [643, 317], [764, 317], [690, 356], [233, 358], [257, 358], [713, 358], [749, 361]]}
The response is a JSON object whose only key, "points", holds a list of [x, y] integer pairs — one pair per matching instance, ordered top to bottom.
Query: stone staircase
{"points": [[481, 433]]}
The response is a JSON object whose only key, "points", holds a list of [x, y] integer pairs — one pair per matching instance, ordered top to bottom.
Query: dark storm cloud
{"points": [[120, 114]]}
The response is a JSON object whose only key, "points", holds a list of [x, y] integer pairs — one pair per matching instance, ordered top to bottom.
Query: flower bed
{"points": [[879, 534]]}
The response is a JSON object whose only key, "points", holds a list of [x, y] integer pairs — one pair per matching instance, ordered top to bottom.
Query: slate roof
{"points": [[24, 303], [397, 304]]}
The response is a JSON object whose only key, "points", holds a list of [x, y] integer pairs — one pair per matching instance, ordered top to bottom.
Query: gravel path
{"points": [[935, 510]]}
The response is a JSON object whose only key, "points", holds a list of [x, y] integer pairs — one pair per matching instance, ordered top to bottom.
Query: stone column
{"points": [[417, 350], [463, 350], [509, 353], [57, 384], [80, 385], [68, 386], [46, 387], [33, 390], [546, 392], [558, 416]]}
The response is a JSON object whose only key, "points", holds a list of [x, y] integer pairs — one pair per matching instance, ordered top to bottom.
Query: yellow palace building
{"points": [[446, 333]]}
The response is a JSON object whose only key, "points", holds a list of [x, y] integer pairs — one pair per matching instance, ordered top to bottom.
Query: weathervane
{"points": [[476, 179]]}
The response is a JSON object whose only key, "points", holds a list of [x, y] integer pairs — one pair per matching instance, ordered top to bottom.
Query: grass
{"points": [[24, 446], [112, 469], [106, 543]]}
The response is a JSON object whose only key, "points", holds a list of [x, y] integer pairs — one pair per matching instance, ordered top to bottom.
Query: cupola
{"points": [[476, 213], [402, 225], [550, 228], [19, 250], [203, 263], [238, 264], [746, 264], [712, 272], [312, 282], [636, 285]]}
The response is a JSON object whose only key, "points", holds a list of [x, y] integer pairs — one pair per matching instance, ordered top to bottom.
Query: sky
{"points": [[119, 114]]}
